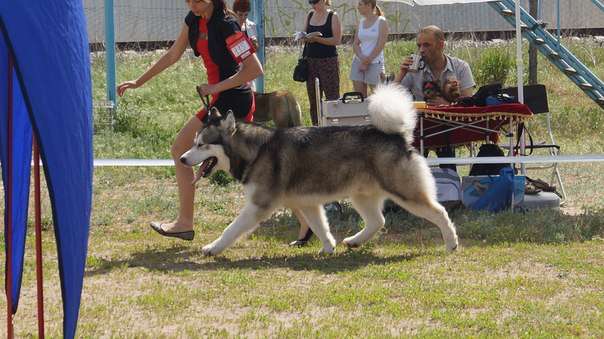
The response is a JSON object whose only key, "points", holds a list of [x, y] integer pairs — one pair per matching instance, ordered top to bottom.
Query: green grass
{"points": [[149, 117], [523, 275]]}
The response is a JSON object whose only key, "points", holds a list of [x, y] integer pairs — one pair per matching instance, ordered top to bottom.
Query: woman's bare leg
{"points": [[360, 86], [372, 88], [184, 178], [303, 223]]}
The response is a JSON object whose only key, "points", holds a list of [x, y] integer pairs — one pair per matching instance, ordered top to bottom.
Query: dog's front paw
{"points": [[350, 243], [452, 245], [211, 250], [327, 250], [208, 251]]}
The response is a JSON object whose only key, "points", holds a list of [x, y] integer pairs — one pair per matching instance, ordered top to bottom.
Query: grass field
{"points": [[534, 274]]}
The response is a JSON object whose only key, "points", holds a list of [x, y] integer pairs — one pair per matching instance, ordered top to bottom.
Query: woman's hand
{"points": [[311, 39], [170, 57], [363, 66], [121, 88], [207, 89]]}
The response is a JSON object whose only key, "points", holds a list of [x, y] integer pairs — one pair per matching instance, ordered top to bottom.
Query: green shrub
{"points": [[493, 65], [221, 178]]}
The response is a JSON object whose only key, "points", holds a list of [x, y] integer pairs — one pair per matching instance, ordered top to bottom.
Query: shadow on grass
{"points": [[481, 228], [474, 229], [182, 258]]}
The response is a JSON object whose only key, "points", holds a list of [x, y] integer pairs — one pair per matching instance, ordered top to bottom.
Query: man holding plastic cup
{"points": [[433, 76]]}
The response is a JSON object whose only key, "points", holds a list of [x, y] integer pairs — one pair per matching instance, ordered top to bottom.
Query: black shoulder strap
{"points": [[308, 20], [192, 21], [306, 29]]}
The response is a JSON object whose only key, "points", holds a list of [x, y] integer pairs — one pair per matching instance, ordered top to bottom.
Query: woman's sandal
{"points": [[185, 235], [303, 241]]}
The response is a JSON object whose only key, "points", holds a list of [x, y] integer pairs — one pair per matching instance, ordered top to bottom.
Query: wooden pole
{"points": [[9, 203], [38, 222]]}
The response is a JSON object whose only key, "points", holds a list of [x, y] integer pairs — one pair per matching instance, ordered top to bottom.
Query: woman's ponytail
{"points": [[378, 10]]}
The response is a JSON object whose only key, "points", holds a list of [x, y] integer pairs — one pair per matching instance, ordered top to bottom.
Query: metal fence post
{"points": [[258, 17], [110, 56]]}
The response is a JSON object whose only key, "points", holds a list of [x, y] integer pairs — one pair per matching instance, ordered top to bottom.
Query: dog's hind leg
{"points": [[423, 206], [370, 209], [246, 221], [317, 221]]}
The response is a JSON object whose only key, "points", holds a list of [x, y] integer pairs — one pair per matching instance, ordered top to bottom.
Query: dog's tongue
{"points": [[203, 169], [200, 172], [198, 175]]}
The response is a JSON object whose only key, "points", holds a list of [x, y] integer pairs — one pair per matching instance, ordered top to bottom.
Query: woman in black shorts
{"points": [[231, 63]]}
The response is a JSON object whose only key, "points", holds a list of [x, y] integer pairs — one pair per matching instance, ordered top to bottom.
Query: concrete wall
{"points": [[160, 20]]}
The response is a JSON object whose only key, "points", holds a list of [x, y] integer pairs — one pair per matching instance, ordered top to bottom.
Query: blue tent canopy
{"points": [[51, 96], [20, 153]]}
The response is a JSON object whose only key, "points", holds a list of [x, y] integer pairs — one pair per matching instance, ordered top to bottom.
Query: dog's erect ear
{"points": [[215, 113], [229, 124], [198, 140]]}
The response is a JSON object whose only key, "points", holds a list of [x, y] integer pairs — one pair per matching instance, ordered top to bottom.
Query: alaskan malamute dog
{"points": [[303, 168]]}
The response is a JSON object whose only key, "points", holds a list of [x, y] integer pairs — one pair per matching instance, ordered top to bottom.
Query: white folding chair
{"points": [[535, 97], [350, 110]]}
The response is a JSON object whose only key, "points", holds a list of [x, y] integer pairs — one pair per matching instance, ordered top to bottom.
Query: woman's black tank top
{"points": [[315, 49]]}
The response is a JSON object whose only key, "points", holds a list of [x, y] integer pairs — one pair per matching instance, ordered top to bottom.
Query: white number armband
{"points": [[240, 46]]}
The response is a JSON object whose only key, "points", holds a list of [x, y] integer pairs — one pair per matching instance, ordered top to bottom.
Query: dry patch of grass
{"points": [[138, 284]]}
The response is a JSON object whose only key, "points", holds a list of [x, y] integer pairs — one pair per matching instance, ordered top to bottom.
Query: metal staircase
{"points": [[599, 3], [554, 51]]}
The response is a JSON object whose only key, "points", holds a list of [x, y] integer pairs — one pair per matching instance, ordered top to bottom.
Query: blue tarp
{"points": [[52, 91], [20, 169]]}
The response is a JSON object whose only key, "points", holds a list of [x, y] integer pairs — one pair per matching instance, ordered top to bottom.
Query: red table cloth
{"points": [[440, 118]]}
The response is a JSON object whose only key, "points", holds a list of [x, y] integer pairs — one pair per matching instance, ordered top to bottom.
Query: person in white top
{"points": [[242, 9], [249, 28], [367, 67]]}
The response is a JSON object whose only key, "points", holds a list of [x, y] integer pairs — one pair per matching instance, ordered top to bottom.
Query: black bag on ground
{"points": [[301, 69], [488, 150]]}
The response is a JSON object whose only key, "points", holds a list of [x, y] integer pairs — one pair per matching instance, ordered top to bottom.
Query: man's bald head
{"points": [[435, 31], [431, 44]]}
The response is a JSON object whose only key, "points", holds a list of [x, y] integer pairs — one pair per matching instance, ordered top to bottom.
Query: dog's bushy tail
{"points": [[392, 111]]}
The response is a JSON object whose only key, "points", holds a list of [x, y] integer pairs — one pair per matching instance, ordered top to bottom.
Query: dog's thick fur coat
{"points": [[304, 168]]}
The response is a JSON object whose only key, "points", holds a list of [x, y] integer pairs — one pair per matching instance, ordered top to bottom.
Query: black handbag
{"points": [[301, 69]]}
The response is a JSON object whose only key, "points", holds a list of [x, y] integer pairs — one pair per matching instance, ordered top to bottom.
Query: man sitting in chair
{"points": [[437, 78]]}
